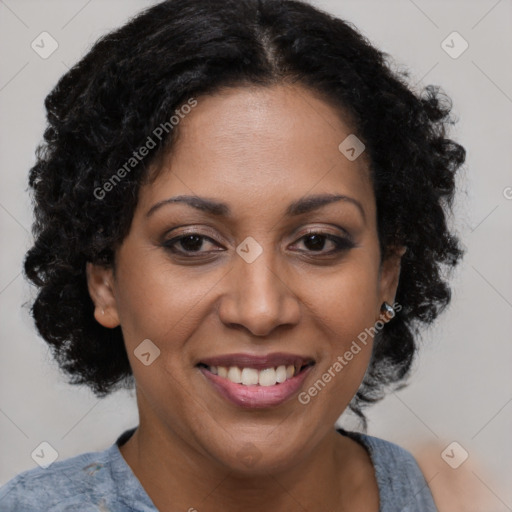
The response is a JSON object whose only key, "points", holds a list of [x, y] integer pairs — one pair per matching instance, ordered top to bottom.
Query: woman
{"points": [[241, 210]]}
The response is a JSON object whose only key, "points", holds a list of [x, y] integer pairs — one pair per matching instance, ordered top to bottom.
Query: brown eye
{"points": [[317, 241], [190, 243], [195, 244]]}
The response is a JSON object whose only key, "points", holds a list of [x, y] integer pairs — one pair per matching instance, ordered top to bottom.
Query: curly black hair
{"points": [[135, 78]]}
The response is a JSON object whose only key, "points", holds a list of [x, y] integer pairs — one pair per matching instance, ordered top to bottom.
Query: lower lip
{"points": [[256, 397]]}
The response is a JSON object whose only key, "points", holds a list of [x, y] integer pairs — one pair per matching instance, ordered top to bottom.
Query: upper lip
{"points": [[258, 362]]}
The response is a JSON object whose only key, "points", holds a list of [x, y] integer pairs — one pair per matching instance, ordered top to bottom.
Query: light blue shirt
{"points": [[103, 482]]}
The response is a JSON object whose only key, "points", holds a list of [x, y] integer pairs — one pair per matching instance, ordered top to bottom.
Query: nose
{"points": [[259, 297]]}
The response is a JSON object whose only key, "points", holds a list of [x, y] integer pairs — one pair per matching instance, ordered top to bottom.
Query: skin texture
{"points": [[258, 150]]}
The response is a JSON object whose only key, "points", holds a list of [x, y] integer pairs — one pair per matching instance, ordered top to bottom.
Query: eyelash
{"points": [[342, 244]]}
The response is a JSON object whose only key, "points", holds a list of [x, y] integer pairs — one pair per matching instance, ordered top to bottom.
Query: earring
{"points": [[387, 310]]}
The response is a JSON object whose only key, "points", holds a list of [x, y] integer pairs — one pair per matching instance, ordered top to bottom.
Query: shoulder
{"points": [[391, 456], [400, 480], [76, 483]]}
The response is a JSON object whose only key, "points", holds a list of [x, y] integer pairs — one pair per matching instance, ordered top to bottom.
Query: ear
{"points": [[388, 277], [100, 282]]}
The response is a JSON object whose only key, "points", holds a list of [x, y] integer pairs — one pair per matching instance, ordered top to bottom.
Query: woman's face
{"points": [[248, 285]]}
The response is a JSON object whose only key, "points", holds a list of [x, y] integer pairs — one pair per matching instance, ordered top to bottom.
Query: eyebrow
{"points": [[301, 206]]}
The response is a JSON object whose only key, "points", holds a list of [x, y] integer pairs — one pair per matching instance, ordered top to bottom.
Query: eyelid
{"points": [[325, 227], [322, 230], [203, 231], [301, 232], [342, 243]]}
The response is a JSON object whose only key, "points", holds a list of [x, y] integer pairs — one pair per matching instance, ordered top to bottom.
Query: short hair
{"points": [[136, 77]]}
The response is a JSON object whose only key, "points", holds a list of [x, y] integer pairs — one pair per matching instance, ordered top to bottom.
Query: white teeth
{"points": [[281, 373], [235, 374], [249, 376], [253, 377], [267, 377]]}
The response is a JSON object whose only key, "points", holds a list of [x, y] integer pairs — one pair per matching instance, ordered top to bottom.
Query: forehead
{"points": [[259, 145]]}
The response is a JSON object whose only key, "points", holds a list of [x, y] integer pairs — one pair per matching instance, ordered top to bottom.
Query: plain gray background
{"points": [[461, 388]]}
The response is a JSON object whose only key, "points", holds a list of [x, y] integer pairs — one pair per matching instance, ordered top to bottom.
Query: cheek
{"points": [[346, 300], [159, 302], [343, 308]]}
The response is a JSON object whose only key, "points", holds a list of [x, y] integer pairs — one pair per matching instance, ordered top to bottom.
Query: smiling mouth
{"points": [[247, 376]]}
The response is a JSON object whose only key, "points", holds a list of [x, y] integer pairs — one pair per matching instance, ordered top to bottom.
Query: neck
{"points": [[178, 477]]}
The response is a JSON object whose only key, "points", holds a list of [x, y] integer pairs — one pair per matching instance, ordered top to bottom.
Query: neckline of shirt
{"points": [[137, 497]]}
